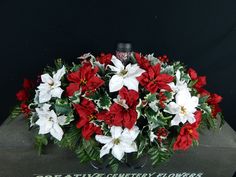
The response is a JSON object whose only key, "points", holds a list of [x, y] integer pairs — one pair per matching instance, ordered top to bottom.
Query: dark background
{"points": [[201, 33]]}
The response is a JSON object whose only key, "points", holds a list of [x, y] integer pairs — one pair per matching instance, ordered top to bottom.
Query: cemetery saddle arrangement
{"points": [[106, 107]]}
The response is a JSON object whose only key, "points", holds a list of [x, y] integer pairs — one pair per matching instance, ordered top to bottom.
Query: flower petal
{"points": [[118, 64], [59, 74], [46, 78], [116, 83], [131, 83], [56, 92], [44, 96], [172, 108], [61, 120], [176, 120], [56, 131], [116, 131], [130, 134], [103, 139], [128, 148], [105, 149], [118, 152]]}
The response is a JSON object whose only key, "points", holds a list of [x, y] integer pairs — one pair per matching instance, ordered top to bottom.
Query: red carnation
{"points": [[105, 58], [142, 61], [84, 78], [153, 80], [22, 95], [87, 112], [126, 116], [188, 133]]}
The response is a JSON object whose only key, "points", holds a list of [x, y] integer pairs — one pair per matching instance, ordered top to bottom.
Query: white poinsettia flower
{"points": [[125, 75], [179, 85], [51, 86], [183, 108], [49, 122], [121, 141]]}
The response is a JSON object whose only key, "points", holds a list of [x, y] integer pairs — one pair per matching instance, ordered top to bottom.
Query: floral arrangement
{"points": [[103, 106]]}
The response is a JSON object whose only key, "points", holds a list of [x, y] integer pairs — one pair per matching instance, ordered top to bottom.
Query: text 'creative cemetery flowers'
{"points": [[102, 106]]}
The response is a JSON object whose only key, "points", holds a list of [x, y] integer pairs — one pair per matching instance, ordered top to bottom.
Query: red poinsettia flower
{"points": [[105, 58], [142, 61], [85, 78], [153, 80], [201, 81], [162, 99], [214, 101], [123, 111], [87, 112], [188, 133]]}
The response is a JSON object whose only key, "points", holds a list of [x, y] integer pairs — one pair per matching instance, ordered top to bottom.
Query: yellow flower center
{"points": [[183, 110], [116, 141]]}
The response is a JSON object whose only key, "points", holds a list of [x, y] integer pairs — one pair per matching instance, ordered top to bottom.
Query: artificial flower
{"points": [[104, 58], [142, 61], [124, 75], [84, 78], [153, 80], [179, 84], [50, 86], [213, 101], [184, 107], [123, 111], [87, 113], [49, 122], [188, 133], [121, 141]]}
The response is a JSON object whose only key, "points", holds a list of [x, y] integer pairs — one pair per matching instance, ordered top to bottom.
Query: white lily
{"points": [[125, 76], [180, 84], [51, 86], [183, 108], [49, 122], [121, 141]]}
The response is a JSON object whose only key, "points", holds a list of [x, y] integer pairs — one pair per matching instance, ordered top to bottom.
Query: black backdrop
{"points": [[201, 33]]}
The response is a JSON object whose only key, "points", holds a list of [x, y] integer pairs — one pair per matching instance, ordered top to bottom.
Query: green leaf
{"points": [[58, 63], [192, 83], [76, 97], [151, 97], [203, 99], [104, 102], [62, 107], [139, 108], [16, 112], [70, 138], [40, 142], [143, 143], [88, 150], [159, 155], [113, 163]]}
